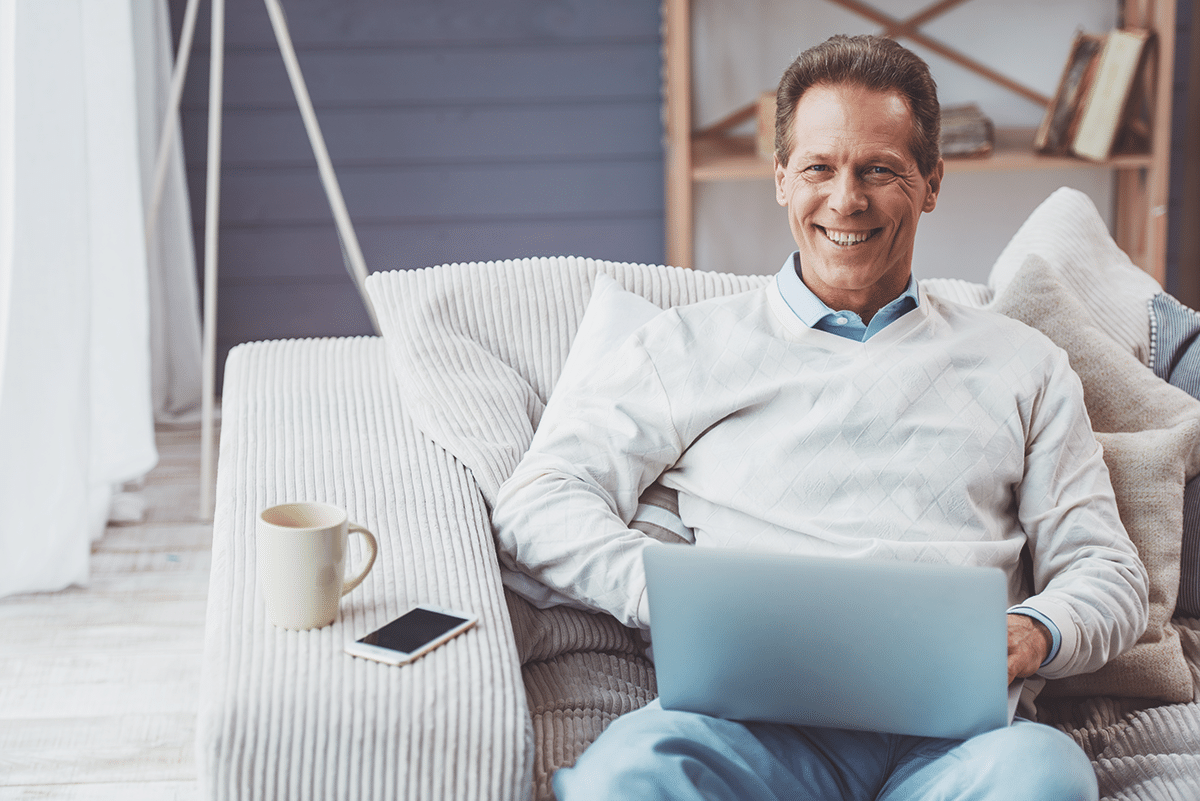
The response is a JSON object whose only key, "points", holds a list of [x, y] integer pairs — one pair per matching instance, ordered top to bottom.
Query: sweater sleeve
{"points": [[562, 516], [1087, 576]]}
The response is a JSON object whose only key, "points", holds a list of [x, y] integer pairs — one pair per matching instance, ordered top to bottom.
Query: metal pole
{"points": [[216, 76], [172, 118], [355, 263]]}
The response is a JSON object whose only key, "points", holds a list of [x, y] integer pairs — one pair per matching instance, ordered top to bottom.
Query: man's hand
{"points": [[1028, 646]]}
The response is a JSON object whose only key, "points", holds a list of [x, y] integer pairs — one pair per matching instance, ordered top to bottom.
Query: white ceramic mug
{"points": [[301, 553]]}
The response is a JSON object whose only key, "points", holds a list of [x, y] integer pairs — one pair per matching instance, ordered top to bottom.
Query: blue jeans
{"points": [[660, 754]]}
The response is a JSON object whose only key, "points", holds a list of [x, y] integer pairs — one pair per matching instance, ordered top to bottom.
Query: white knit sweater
{"points": [[953, 435]]}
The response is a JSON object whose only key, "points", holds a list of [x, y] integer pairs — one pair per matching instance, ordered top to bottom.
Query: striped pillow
{"points": [[1175, 357]]}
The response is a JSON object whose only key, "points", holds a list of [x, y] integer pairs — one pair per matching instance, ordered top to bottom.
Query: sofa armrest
{"points": [[288, 714]]}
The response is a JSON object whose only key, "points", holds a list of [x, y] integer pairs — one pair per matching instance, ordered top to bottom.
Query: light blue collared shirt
{"points": [[813, 312]]}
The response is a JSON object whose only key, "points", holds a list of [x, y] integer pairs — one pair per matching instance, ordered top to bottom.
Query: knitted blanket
{"points": [[477, 349]]}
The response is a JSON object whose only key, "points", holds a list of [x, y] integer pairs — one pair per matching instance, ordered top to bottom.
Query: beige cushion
{"points": [[1120, 392], [1122, 395], [1147, 470]]}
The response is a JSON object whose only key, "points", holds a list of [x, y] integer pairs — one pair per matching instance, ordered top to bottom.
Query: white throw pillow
{"points": [[1068, 232], [613, 313]]}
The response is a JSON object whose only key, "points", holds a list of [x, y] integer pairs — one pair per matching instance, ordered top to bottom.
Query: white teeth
{"points": [[846, 238]]}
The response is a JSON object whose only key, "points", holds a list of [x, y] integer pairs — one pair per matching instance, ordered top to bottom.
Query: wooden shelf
{"points": [[732, 158], [1142, 181]]}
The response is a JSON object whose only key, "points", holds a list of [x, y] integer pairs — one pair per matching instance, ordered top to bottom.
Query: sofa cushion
{"points": [[1175, 357], [1121, 395]]}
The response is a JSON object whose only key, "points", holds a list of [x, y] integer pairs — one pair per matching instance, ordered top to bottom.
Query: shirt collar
{"points": [[811, 310]]}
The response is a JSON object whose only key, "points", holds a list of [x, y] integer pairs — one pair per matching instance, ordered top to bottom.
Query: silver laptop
{"points": [[883, 646]]}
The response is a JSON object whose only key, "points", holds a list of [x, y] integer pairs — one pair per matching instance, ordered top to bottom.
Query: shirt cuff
{"points": [[643, 610], [1055, 634]]}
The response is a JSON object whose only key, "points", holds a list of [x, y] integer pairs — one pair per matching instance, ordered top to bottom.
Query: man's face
{"points": [[854, 194]]}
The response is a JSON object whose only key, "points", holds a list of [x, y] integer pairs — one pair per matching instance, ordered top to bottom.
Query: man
{"points": [[840, 411]]}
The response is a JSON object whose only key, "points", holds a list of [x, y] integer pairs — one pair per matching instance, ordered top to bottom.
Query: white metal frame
{"points": [[351, 252]]}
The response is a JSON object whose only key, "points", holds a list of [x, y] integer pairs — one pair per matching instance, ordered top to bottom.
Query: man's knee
{"points": [[651, 752], [663, 754], [1027, 760], [1043, 763]]}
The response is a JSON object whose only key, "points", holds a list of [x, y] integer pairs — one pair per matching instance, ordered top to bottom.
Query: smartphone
{"points": [[415, 633]]}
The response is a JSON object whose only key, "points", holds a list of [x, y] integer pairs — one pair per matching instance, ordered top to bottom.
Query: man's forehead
{"points": [[845, 97], [830, 117]]}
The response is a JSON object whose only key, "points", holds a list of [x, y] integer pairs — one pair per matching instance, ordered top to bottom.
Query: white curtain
{"points": [[81, 87]]}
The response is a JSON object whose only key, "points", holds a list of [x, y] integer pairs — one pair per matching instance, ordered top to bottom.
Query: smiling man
{"points": [[854, 192], [839, 411]]}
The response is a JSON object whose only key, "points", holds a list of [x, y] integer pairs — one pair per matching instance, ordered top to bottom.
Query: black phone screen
{"points": [[411, 630]]}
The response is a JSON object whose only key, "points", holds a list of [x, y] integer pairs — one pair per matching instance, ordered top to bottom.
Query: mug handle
{"points": [[373, 547]]}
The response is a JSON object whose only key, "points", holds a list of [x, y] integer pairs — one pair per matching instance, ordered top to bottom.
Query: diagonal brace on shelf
{"points": [[900, 29], [908, 29]]}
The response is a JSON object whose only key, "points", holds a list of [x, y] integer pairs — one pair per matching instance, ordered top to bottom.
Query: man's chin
{"points": [[844, 275]]}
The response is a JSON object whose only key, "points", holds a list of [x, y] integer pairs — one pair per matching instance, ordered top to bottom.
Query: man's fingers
{"points": [[1028, 646], [1017, 669]]}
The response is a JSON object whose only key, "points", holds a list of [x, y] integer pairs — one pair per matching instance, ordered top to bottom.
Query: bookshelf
{"points": [[1142, 181]]}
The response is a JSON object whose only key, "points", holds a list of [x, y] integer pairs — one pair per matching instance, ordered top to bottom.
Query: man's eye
{"points": [[818, 168], [877, 170]]}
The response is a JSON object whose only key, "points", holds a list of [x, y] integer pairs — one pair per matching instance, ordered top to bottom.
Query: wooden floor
{"points": [[99, 685]]}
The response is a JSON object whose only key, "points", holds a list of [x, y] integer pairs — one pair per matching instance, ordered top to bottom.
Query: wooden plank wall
{"points": [[460, 130], [1183, 238]]}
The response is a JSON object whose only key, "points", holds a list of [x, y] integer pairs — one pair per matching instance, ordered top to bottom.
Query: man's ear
{"points": [[780, 173], [933, 185]]}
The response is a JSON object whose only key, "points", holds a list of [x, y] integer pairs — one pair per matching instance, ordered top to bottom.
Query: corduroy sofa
{"points": [[413, 433]]}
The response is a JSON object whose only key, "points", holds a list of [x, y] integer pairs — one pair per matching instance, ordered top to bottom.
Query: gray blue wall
{"points": [[460, 130]]}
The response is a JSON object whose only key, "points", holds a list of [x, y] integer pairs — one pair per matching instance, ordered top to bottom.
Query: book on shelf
{"points": [[1095, 96], [1105, 107], [1057, 131], [966, 132], [1133, 136]]}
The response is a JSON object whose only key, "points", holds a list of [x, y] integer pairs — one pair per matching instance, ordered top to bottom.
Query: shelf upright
{"points": [[677, 124], [1143, 192]]}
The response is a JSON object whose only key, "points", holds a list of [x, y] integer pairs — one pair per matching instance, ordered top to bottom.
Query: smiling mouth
{"points": [[848, 239]]}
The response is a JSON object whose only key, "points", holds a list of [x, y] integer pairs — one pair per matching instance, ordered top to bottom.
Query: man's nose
{"points": [[846, 195]]}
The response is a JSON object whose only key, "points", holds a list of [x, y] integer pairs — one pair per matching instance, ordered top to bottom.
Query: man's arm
{"points": [[562, 516], [1088, 579]]}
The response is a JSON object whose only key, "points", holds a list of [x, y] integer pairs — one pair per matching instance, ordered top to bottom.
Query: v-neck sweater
{"points": [[954, 435]]}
